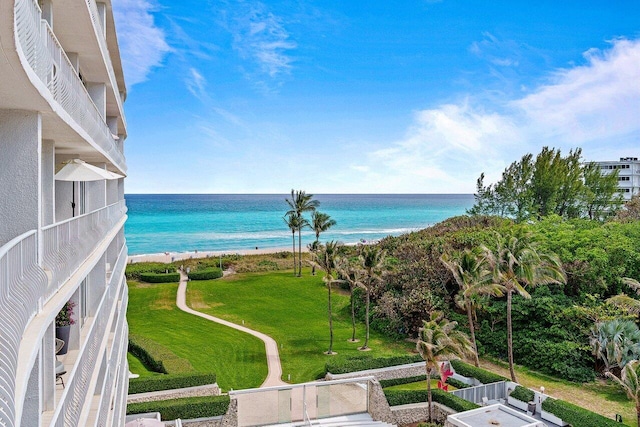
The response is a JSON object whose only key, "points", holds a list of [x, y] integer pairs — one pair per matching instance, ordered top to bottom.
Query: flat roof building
{"points": [[628, 174], [62, 244]]}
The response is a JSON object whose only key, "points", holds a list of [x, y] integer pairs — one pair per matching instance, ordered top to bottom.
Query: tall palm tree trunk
{"points": [[293, 249], [299, 252], [353, 318], [472, 331], [510, 338], [366, 340], [330, 351], [429, 394]]}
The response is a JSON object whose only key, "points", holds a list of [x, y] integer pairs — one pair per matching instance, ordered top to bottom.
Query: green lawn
{"points": [[292, 310], [237, 359], [136, 367]]}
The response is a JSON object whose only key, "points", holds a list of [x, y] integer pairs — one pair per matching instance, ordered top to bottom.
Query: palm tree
{"points": [[300, 203], [292, 222], [320, 222], [327, 258], [372, 260], [518, 264], [471, 272], [353, 276], [624, 301], [438, 340], [615, 342], [630, 381]]}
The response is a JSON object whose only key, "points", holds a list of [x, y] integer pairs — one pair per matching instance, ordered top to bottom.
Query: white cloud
{"points": [[260, 37], [142, 43], [196, 83], [597, 101], [593, 106]]}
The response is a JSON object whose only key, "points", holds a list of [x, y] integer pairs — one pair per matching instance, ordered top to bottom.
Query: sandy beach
{"points": [[168, 257]]}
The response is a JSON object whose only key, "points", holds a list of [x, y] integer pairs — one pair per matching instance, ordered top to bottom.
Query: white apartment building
{"points": [[61, 96], [628, 174]]}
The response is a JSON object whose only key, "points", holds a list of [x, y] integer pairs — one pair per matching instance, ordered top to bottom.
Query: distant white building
{"points": [[61, 98], [628, 174]]}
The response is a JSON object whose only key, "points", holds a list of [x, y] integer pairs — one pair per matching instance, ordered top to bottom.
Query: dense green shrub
{"points": [[134, 270], [206, 274], [159, 277], [156, 357], [367, 362], [482, 375], [399, 381], [169, 382], [456, 383], [523, 394], [403, 397], [186, 408], [575, 415]]}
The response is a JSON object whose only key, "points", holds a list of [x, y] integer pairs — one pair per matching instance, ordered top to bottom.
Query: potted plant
{"points": [[64, 320]]}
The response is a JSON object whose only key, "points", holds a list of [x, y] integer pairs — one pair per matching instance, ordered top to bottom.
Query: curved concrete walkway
{"points": [[270, 345]]}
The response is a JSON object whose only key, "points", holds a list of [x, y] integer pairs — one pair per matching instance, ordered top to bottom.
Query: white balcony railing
{"points": [[52, 66], [67, 244], [22, 283], [118, 347], [77, 391]]}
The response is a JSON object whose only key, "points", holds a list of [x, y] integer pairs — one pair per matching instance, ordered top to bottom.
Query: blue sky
{"points": [[411, 96]]}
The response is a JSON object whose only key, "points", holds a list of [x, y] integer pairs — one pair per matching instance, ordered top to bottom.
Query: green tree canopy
{"points": [[549, 184]]}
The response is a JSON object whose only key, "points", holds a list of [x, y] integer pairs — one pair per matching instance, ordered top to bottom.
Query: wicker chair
{"points": [[60, 371]]}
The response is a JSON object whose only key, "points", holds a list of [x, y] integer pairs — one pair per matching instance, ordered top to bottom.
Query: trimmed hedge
{"points": [[133, 271], [206, 274], [160, 277], [156, 357], [364, 363], [482, 375], [399, 381], [169, 382], [456, 383], [523, 394], [403, 397], [185, 408], [575, 415]]}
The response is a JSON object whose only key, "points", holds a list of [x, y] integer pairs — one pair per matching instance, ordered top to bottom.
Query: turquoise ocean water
{"points": [[226, 222]]}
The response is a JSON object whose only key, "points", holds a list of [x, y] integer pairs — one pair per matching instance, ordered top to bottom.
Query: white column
{"points": [[20, 148]]}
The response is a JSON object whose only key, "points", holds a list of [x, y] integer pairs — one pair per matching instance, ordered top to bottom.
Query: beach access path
{"points": [[271, 347]]}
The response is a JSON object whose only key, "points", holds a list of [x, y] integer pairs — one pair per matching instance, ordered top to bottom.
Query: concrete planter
{"points": [[518, 404], [552, 418]]}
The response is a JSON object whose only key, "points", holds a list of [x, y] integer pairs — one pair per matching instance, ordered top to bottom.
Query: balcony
{"points": [[100, 32], [51, 65], [69, 243], [25, 286], [82, 364]]}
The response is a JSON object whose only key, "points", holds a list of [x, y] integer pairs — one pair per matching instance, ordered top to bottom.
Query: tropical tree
{"points": [[299, 203], [292, 222], [320, 222], [327, 258], [372, 260], [518, 264], [471, 272], [353, 275], [625, 302], [438, 340], [615, 342], [629, 380]]}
